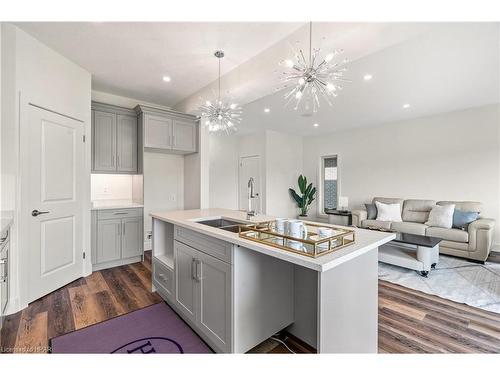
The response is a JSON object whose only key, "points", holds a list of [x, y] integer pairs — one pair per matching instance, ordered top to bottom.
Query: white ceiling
{"points": [[130, 59], [434, 67], [447, 68]]}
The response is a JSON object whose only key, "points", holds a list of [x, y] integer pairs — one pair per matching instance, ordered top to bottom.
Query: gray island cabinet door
{"points": [[157, 132], [184, 136], [104, 138], [126, 143], [131, 237], [108, 240], [214, 278], [185, 285]]}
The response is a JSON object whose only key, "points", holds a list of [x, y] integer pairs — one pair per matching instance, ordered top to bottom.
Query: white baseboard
{"points": [[148, 245], [496, 247]]}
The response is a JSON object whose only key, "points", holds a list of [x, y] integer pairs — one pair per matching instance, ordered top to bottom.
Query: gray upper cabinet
{"points": [[168, 131], [157, 132], [184, 136], [114, 139], [104, 141], [126, 143]]}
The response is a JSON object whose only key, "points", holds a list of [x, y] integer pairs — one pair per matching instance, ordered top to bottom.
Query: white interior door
{"points": [[249, 167], [55, 184]]}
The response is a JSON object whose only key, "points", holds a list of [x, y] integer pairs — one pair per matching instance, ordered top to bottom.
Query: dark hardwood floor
{"points": [[409, 321]]}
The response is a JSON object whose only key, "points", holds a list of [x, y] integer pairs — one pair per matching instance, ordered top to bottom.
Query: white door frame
{"points": [[259, 210], [24, 211]]}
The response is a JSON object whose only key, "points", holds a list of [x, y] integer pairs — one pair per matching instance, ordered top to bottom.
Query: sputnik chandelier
{"points": [[310, 78], [220, 115]]}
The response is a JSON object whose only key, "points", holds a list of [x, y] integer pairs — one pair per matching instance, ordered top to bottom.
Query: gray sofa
{"points": [[474, 244]]}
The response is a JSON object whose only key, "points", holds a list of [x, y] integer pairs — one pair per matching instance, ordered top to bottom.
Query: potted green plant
{"points": [[307, 196]]}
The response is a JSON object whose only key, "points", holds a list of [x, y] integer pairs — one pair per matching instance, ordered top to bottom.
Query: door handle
{"points": [[36, 212]]}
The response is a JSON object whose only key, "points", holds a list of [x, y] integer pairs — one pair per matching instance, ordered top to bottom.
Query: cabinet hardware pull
{"points": [[173, 140], [120, 213], [123, 228], [193, 268], [198, 275]]}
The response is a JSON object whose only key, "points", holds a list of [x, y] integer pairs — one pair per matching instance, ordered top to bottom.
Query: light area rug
{"points": [[454, 279]]}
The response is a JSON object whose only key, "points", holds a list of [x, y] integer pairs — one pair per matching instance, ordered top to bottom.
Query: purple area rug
{"points": [[153, 329]]}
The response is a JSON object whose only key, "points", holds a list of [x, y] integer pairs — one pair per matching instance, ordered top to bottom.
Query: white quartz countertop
{"points": [[114, 204], [366, 240]]}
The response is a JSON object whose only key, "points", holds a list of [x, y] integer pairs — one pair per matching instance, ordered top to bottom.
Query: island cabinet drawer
{"points": [[119, 213], [212, 246], [163, 277]]}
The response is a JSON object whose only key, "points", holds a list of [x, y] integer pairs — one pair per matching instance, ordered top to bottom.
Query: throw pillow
{"points": [[371, 211], [388, 212], [441, 216], [462, 219]]}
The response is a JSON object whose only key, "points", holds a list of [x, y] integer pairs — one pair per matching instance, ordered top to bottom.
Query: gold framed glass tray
{"points": [[311, 245]]}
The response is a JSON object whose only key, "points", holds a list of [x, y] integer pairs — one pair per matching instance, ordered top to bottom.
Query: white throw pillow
{"points": [[388, 212], [441, 216]]}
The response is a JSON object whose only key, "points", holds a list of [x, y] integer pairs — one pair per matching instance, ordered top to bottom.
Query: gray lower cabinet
{"points": [[114, 139], [117, 237], [108, 240], [185, 282], [203, 293], [232, 297], [214, 310]]}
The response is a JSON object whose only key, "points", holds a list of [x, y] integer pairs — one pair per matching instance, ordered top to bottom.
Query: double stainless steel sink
{"points": [[224, 224]]}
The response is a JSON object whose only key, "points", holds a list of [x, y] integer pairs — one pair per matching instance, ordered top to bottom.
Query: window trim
{"points": [[321, 174]]}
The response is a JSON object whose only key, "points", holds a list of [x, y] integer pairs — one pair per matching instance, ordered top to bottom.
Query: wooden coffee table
{"points": [[413, 251]]}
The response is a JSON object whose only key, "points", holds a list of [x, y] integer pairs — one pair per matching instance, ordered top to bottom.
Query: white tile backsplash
{"points": [[111, 186]]}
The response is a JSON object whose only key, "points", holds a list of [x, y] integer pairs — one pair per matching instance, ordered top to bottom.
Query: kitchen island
{"points": [[236, 293]]}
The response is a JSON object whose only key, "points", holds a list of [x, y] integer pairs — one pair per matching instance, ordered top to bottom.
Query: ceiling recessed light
{"points": [[367, 77], [166, 78], [406, 106], [267, 110], [316, 125]]}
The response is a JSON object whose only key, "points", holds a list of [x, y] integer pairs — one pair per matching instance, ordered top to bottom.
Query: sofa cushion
{"points": [[389, 201], [463, 205], [417, 210], [371, 211], [388, 212], [441, 216], [462, 219], [376, 224], [407, 227], [456, 235]]}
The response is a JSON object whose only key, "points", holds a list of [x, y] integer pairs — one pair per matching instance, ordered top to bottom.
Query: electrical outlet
{"points": [[172, 198], [150, 234]]}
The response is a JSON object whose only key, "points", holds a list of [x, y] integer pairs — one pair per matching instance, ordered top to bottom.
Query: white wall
{"points": [[32, 72], [451, 156], [284, 161], [281, 163], [223, 182], [163, 184], [111, 186]]}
